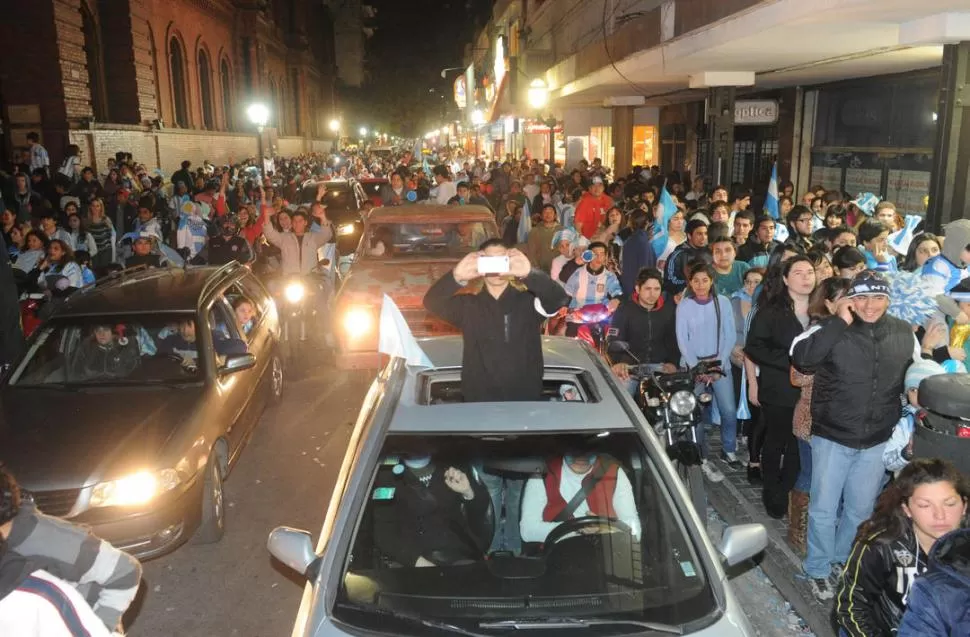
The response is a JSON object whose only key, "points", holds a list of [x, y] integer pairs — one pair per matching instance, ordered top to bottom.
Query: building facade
{"points": [[167, 80], [859, 95]]}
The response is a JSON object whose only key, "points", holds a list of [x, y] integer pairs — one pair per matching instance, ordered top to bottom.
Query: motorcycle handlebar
{"points": [[703, 368]]}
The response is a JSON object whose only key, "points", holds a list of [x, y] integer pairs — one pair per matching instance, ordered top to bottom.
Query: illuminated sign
{"points": [[499, 60], [461, 95]]}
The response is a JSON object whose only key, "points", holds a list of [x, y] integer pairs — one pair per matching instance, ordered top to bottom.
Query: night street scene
{"points": [[485, 318]]}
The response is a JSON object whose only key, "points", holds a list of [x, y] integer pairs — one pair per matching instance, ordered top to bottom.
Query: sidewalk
{"points": [[740, 503]]}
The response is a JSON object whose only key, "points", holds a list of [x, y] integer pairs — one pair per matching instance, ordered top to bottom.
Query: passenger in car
{"points": [[245, 314], [184, 345], [105, 354], [554, 498], [431, 513]]}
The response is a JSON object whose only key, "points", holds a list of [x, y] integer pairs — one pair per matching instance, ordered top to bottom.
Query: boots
{"points": [[798, 521]]}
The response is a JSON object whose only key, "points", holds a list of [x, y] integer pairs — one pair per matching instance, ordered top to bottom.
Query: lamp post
{"points": [[539, 99], [259, 114], [335, 129]]}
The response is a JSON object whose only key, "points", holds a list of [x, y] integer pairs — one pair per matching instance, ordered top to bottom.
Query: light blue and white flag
{"points": [[771, 206], [525, 223], [661, 224], [900, 240], [395, 338]]}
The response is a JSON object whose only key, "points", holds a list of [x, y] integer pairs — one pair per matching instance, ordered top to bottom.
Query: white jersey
{"points": [[47, 606]]}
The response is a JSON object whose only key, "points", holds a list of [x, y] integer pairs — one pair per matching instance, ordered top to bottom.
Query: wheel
{"points": [[275, 379], [693, 479], [213, 524]]}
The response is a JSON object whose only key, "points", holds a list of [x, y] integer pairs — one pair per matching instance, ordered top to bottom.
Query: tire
{"points": [[276, 379], [693, 479], [213, 524]]}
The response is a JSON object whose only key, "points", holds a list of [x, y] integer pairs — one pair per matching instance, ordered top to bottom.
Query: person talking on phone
{"points": [[500, 321], [859, 357]]}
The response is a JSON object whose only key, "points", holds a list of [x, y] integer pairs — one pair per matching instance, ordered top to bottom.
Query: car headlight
{"points": [[345, 229], [294, 292], [358, 322], [683, 403], [134, 489]]}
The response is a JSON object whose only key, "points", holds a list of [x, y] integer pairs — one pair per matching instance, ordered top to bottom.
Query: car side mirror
{"points": [[237, 363], [742, 542], [292, 547]]}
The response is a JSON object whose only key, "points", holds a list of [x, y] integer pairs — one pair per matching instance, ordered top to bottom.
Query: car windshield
{"points": [[340, 201], [425, 238], [115, 349], [476, 531]]}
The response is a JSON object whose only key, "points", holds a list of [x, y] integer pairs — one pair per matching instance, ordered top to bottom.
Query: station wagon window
{"points": [[422, 239], [247, 308], [111, 350], [558, 385], [473, 531]]}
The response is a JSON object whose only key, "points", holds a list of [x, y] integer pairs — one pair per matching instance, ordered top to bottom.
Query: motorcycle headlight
{"points": [[345, 228], [294, 292], [358, 322], [683, 403], [134, 489]]}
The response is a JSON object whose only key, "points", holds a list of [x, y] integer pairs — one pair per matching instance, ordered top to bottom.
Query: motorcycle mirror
{"points": [[618, 346]]}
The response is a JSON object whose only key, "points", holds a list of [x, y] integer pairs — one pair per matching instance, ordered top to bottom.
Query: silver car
{"points": [[480, 518]]}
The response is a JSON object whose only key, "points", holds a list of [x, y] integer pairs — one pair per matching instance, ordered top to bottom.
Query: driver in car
{"points": [[184, 345], [105, 354], [550, 500], [432, 513]]}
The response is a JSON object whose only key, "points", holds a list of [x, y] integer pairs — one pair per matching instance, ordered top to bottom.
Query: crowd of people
{"points": [[823, 315]]}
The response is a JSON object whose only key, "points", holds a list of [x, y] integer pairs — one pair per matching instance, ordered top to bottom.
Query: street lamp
{"points": [[539, 99], [258, 114], [478, 117], [335, 125], [335, 129], [363, 131]]}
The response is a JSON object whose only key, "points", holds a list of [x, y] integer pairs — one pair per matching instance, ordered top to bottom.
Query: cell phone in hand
{"points": [[493, 265]]}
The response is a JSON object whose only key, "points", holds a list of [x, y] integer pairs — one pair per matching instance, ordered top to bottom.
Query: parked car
{"points": [[403, 250], [134, 401], [419, 540]]}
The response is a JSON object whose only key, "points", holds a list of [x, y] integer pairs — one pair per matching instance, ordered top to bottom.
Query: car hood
{"points": [[404, 281], [67, 439]]}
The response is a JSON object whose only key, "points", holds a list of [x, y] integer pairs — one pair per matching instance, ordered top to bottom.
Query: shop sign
{"points": [[461, 95], [755, 112]]}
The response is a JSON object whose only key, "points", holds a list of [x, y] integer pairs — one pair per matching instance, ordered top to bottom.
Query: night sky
{"points": [[413, 41]]}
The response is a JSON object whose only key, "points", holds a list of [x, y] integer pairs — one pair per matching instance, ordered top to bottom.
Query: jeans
{"points": [[727, 406], [779, 455], [839, 474], [803, 482], [506, 495]]}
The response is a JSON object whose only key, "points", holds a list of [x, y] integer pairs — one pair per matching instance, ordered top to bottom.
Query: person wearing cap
{"points": [[591, 209], [228, 246], [141, 252], [859, 357]]}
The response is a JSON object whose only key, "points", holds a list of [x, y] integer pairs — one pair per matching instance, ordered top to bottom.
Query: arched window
{"points": [[154, 52], [176, 59], [95, 62], [205, 89], [226, 94]]}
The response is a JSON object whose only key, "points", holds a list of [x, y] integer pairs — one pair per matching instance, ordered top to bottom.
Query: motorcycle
{"points": [[304, 306], [594, 320], [670, 405]]}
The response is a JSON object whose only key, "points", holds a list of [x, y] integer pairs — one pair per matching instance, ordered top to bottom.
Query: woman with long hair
{"points": [[101, 229], [80, 238], [665, 244], [922, 248], [33, 252], [59, 263], [820, 305], [781, 316], [705, 331], [927, 500]]}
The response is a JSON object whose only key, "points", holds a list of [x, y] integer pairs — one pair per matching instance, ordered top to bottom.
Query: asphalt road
{"points": [[284, 476]]}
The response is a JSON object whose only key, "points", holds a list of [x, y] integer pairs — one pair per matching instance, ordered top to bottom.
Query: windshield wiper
{"points": [[577, 622], [429, 623]]}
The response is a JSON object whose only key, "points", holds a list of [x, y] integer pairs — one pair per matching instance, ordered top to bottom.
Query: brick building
{"points": [[167, 79]]}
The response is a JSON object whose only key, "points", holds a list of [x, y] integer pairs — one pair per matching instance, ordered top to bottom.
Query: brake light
{"points": [[963, 431]]}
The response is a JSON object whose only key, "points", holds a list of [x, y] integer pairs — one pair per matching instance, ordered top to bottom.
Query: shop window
{"points": [[95, 63], [205, 89], [601, 144], [644, 145], [673, 151]]}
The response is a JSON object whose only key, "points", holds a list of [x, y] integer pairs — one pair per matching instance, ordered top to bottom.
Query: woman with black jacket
{"points": [[782, 315], [926, 501]]}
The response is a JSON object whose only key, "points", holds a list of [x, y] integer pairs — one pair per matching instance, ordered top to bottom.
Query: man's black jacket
{"points": [[752, 248], [222, 250], [675, 270], [652, 334], [502, 356], [859, 371]]}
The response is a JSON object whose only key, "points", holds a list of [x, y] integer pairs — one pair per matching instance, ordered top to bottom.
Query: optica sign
{"points": [[755, 112]]}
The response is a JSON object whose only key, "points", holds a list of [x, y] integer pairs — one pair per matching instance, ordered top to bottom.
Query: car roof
{"points": [[430, 212], [146, 291], [559, 353]]}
